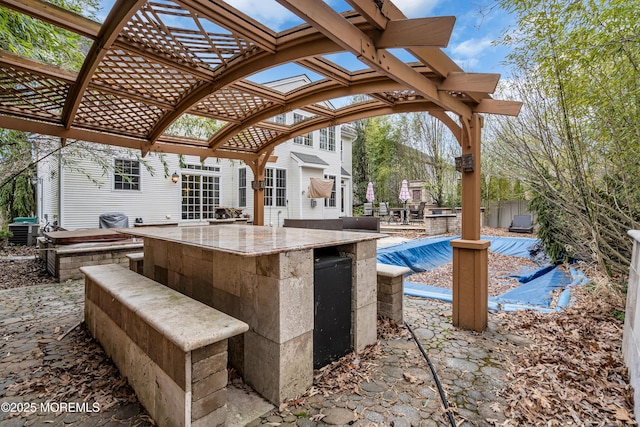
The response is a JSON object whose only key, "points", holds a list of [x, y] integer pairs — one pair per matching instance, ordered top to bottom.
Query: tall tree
{"points": [[44, 42], [430, 136], [576, 143], [381, 144], [361, 172]]}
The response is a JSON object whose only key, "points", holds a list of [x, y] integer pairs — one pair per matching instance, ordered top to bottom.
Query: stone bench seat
{"points": [[136, 262], [390, 279], [171, 348]]}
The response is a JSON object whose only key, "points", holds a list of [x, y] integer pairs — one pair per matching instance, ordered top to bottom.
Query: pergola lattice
{"points": [[153, 61]]}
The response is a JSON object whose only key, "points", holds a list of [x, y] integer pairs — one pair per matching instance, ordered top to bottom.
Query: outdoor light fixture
{"points": [[465, 163], [175, 177], [258, 185]]}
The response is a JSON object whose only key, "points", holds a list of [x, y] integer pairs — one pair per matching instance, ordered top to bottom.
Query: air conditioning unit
{"points": [[24, 233]]}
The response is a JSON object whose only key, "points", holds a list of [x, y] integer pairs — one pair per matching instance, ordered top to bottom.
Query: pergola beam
{"points": [[370, 11], [55, 15], [117, 19], [234, 20], [420, 32], [360, 44], [433, 57], [11, 60], [327, 69], [233, 74], [470, 82], [308, 97], [494, 106], [362, 111]]}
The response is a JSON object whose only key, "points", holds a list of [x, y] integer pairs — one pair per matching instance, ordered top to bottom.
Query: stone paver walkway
{"points": [[32, 319], [400, 391]]}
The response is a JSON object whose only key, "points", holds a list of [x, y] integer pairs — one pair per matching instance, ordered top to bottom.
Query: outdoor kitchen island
{"points": [[264, 276]]}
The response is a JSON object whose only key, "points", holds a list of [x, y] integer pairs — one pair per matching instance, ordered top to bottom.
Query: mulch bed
{"points": [[16, 272]]}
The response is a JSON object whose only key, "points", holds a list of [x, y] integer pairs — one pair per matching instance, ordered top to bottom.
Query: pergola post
{"points": [[258, 166], [470, 254]]}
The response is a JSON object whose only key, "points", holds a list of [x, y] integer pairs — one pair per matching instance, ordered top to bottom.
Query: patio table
{"points": [[403, 213], [264, 276]]}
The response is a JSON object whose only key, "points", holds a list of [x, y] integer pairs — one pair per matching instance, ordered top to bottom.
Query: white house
{"points": [[76, 201]]}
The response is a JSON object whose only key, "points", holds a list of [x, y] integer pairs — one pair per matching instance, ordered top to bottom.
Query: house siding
{"points": [[48, 191], [158, 199]]}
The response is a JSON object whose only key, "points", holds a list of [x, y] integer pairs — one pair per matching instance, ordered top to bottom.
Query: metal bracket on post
{"points": [[465, 163], [258, 185]]}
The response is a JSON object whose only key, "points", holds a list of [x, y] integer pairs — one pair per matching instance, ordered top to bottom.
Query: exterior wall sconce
{"points": [[465, 163], [175, 177], [258, 185]]}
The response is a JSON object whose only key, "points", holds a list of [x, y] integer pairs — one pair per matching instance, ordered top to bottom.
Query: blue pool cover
{"points": [[534, 293]]}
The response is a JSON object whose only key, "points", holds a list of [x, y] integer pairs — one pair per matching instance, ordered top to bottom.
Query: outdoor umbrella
{"points": [[404, 192], [370, 197], [404, 197]]}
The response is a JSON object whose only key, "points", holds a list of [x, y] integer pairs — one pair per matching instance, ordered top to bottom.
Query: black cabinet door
{"points": [[332, 309]]}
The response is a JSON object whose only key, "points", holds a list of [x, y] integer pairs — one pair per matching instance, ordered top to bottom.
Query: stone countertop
{"points": [[252, 240]]}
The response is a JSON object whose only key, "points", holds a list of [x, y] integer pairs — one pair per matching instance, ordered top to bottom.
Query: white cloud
{"points": [[416, 8], [267, 12], [471, 47], [468, 64]]}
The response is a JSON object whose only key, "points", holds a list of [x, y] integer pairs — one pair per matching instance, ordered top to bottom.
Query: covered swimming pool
{"points": [[537, 285]]}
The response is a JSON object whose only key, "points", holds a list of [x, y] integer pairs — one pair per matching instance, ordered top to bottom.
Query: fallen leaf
{"points": [[410, 378], [623, 415]]}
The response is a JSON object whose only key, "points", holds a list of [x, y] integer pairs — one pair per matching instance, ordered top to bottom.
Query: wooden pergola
{"points": [[151, 62]]}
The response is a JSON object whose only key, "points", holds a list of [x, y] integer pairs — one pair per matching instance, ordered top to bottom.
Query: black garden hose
{"points": [[435, 377]]}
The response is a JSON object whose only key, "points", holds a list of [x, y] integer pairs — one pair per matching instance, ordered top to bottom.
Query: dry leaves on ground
{"points": [[19, 267], [500, 267], [20, 273], [347, 373], [573, 373], [83, 374]]}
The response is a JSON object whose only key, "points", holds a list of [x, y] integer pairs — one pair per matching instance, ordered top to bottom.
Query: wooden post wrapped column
{"points": [[257, 167], [470, 254]]}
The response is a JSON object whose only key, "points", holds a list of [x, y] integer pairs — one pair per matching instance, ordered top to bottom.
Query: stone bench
{"points": [[64, 260], [136, 262], [391, 291], [171, 348]]}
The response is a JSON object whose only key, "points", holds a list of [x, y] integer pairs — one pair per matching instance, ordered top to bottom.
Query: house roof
{"points": [[152, 65], [309, 159], [344, 172]]}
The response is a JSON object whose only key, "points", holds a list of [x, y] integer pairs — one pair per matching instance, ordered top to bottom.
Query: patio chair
{"points": [[368, 209], [384, 212], [417, 214], [521, 224]]}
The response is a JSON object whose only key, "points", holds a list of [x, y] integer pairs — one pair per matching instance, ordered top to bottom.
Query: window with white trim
{"points": [[281, 119], [302, 139], [328, 139], [126, 174], [275, 190], [200, 196], [331, 201]]}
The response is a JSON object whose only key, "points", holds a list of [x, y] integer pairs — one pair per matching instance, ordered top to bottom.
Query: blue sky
{"points": [[478, 26]]}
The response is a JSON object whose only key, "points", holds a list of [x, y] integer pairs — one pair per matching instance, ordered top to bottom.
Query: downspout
{"points": [[60, 182]]}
